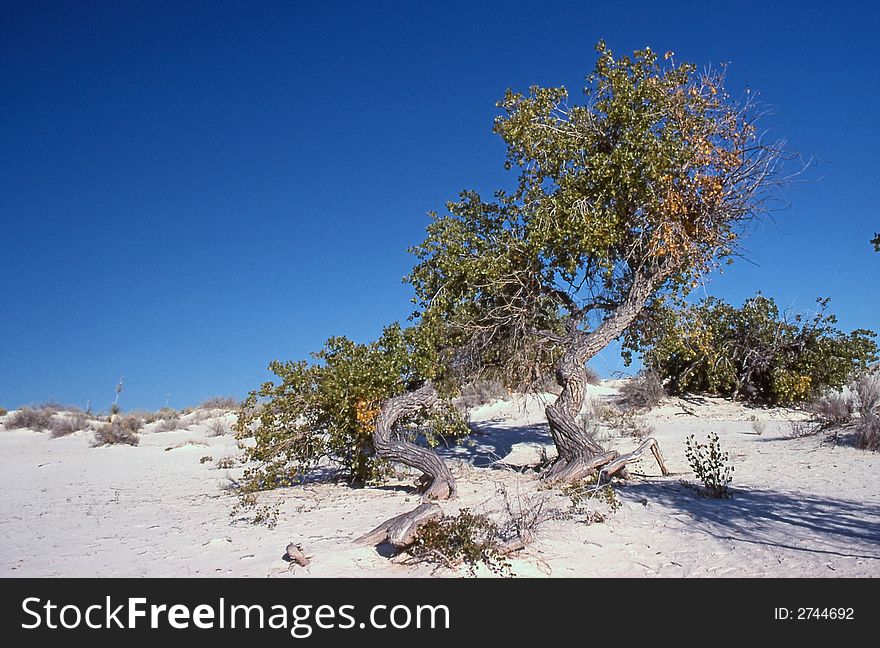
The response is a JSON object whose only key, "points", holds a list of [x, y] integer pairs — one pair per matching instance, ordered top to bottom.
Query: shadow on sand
{"points": [[789, 520]]}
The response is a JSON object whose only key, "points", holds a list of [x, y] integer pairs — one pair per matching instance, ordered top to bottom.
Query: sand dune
{"points": [[800, 506]]}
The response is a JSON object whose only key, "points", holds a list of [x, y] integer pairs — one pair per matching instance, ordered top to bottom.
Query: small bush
{"points": [[867, 390], [642, 392], [220, 402], [833, 409], [3, 411], [36, 419], [169, 424], [66, 425], [218, 427], [122, 430], [206, 459], [226, 462], [710, 464], [587, 498], [467, 538]]}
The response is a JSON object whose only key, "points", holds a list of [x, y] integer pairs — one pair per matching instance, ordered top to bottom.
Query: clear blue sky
{"points": [[190, 190]]}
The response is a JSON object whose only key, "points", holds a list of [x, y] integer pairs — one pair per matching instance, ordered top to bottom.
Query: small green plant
{"points": [[710, 464], [587, 497], [467, 538]]}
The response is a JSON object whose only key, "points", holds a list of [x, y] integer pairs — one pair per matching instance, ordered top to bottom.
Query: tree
{"points": [[620, 203], [753, 351], [324, 414]]}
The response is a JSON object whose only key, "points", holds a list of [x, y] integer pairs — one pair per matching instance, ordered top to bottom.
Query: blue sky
{"points": [[190, 190]]}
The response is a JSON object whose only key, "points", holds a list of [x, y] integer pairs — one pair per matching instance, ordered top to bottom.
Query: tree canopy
{"points": [[639, 190]]}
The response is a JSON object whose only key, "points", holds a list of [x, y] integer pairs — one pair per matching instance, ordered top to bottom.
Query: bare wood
{"points": [[648, 444], [440, 482], [402, 530], [405, 530], [515, 544], [294, 552]]}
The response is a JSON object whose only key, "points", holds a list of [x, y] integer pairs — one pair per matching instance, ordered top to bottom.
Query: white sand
{"points": [[801, 507]]}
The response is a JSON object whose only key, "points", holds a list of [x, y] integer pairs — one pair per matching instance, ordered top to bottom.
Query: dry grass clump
{"points": [[867, 390], [643, 391], [227, 403], [38, 419], [67, 424], [218, 427], [121, 430]]}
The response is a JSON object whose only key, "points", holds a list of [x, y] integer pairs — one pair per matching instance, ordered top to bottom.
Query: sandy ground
{"points": [[800, 506]]}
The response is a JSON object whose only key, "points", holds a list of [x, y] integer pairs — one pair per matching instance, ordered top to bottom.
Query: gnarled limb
{"points": [[579, 454], [440, 482]]}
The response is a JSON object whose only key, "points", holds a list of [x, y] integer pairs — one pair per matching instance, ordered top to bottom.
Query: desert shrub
{"points": [[752, 351], [867, 390], [644, 391], [481, 392], [220, 402], [833, 409], [3, 411], [322, 415], [36, 419], [65, 425], [218, 427], [121, 430], [206, 459], [225, 462], [710, 464], [588, 498], [467, 538]]}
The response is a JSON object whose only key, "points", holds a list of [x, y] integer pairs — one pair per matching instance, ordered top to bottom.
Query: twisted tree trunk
{"points": [[579, 454], [438, 481]]}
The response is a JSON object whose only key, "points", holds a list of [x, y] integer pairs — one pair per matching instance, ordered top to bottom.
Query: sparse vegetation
{"points": [[867, 389], [643, 391], [227, 403], [833, 409], [3, 411], [38, 419], [64, 425], [218, 427], [121, 430], [206, 459], [225, 462], [710, 464], [589, 498]]}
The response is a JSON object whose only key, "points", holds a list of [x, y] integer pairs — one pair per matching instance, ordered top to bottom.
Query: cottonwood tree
{"points": [[621, 201]]}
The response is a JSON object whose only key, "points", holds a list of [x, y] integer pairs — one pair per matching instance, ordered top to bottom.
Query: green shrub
{"points": [[751, 352], [322, 415], [710, 464], [467, 538]]}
